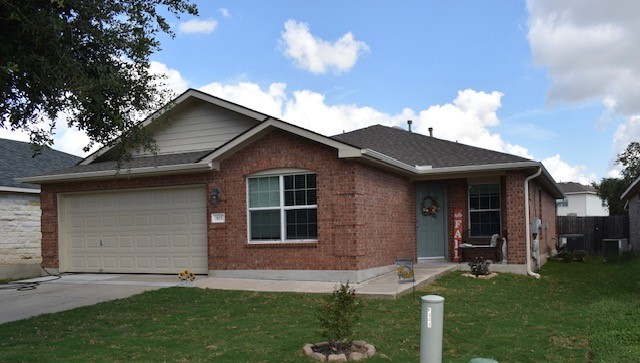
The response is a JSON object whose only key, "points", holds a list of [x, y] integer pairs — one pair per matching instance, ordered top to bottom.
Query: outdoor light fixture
{"points": [[214, 195]]}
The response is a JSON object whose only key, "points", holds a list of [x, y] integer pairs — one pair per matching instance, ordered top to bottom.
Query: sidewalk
{"points": [[385, 286]]}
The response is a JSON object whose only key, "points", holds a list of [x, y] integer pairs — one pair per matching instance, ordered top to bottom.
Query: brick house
{"points": [[235, 192], [20, 254]]}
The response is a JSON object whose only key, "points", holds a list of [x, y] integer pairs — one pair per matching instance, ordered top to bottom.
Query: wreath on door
{"points": [[429, 206]]}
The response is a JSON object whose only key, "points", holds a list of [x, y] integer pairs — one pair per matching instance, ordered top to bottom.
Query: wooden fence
{"points": [[594, 229]]}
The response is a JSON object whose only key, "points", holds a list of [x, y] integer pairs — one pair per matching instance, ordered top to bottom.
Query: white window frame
{"points": [[280, 173], [469, 211]]}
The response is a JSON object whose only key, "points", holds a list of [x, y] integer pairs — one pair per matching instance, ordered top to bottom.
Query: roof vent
{"points": [[409, 122], [431, 131]]}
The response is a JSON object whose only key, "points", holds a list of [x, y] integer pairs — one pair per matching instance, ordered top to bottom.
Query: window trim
{"points": [[280, 173], [469, 211]]}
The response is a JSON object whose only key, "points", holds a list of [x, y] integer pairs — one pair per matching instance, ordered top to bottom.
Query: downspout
{"points": [[527, 226]]}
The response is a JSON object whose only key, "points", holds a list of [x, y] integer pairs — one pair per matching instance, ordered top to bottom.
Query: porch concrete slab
{"points": [[384, 286]]}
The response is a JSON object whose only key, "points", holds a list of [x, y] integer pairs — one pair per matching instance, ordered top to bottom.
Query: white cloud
{"points": [[225, 12], [195, 26], [589, 48], [590, 51], [317, 55], [173, 81], [251, 95], [468, 120], [14, 135], [71, 140], [563, 172]]}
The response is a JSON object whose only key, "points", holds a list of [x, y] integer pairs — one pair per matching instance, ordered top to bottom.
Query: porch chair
{"points": [[489, 248]]}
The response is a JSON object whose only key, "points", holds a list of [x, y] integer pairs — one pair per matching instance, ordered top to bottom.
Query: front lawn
{"points": [[577, 312]]}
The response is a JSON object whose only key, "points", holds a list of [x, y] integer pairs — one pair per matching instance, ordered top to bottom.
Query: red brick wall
{"points": [[49, 202], [541, 205], [514, 213], [365, 215], [386, 217]]}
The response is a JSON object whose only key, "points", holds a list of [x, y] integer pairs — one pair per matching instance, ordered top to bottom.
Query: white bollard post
{"points": [[431, 329]]}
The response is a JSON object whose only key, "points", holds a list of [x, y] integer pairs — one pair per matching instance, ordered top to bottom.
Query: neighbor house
{"points": [[236, 192], [632, 196], [581, 201], [20, 206]]}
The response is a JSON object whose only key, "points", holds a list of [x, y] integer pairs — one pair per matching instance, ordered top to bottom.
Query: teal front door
{"points": [[432, 229]]}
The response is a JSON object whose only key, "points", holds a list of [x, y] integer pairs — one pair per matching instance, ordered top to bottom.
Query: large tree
{"points": [[85, 59], [630, 161], [611, 189]]}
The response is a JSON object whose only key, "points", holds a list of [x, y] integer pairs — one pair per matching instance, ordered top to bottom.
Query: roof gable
{"points": [[203, 104], [632, 190]]}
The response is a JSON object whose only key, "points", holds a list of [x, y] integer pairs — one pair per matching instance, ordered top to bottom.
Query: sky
{"points": [[554, 81]]}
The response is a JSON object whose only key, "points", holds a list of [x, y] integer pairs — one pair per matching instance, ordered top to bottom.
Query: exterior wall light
{"points": [[214, 195]]}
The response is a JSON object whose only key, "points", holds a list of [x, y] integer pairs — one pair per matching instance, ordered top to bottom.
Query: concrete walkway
{"points": [[385, 286], [74, 290]]}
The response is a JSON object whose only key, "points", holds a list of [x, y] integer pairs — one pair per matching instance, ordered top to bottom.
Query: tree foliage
{"points": [[85, 59], [630, 161], [611, 189]]}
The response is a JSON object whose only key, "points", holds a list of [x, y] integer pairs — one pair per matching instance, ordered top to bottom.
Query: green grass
{"points": [[577, 312]]}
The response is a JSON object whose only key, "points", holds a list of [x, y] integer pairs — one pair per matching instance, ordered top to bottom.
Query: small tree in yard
{"points": [[339, 315]]}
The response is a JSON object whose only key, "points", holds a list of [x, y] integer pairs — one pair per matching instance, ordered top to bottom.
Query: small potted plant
{"points": [[186, 278]]}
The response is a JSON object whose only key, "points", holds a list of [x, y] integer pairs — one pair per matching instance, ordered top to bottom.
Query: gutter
{"points": [[150, 170], [422, 170], [20, 190], [527, 226]]}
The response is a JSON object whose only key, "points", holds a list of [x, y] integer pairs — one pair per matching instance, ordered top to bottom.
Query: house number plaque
{"points": [[217, 217]]}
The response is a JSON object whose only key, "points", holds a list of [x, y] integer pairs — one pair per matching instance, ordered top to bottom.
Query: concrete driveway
{"points": [[75, 290]]}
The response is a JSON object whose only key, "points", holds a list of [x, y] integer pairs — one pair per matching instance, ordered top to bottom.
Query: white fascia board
{"points": [[175, 102], [344, 150], [372, 154], [427, 169], [146, 171], [20, 190]]}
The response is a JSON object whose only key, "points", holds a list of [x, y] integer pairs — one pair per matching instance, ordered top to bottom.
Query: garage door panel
{"points": [[143, 221], [141, 231], [126, 242]]}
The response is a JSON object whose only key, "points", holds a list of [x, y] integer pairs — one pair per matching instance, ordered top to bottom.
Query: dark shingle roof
{"points": [[417, 149], [17, 161], [138, 162], [572, 187]]}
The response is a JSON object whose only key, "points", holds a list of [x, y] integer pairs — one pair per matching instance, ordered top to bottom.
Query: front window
{"points": [[283, 208], [484, 210]]}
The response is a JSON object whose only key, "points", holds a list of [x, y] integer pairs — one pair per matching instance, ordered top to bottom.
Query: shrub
{"points": [[479, 266], [338, 316]]}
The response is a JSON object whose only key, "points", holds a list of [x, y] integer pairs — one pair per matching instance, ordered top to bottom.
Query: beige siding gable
{"points": [[198, 126]]}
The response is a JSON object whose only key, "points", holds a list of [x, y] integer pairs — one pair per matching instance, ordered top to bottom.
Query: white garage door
{"points": [[135, 231]]}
